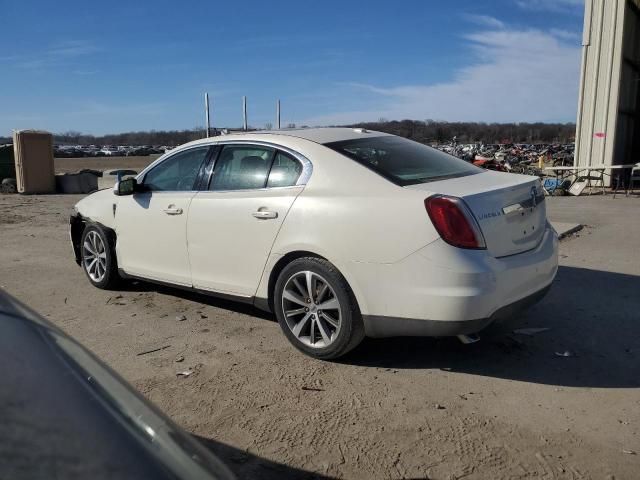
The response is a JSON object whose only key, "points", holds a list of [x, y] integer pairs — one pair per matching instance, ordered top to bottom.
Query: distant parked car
{"points": [[110, 151], [68, 152], [91, 152], [138, 152], [341, 232], [65, 414]]}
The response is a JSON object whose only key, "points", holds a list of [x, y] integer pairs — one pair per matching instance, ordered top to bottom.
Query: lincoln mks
{"points": [[341, 233]]}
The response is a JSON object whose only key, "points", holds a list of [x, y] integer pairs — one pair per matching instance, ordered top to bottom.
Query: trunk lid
{"points": [[509, 208]]}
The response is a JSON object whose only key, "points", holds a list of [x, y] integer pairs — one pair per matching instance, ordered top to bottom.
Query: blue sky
{"points": [[119, 66]]}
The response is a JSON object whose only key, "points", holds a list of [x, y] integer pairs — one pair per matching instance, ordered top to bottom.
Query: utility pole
{"points": [[244, 112], [206, 113], [278, 114]]}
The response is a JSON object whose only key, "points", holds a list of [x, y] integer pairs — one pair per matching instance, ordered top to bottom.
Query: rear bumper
{"points": [[442, 290], [377, 326]]}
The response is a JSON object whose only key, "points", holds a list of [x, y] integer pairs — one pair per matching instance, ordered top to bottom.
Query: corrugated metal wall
{"points": [[600, 80], [627, 149]]}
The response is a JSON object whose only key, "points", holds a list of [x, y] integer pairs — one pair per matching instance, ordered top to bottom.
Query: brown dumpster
{"points": [[33, 151]]}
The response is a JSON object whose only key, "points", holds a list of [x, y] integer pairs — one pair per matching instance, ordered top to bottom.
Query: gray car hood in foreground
{"points": [[64, 414]]}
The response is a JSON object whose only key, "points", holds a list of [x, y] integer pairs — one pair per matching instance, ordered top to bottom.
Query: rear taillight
{"points": [[454, 221]]}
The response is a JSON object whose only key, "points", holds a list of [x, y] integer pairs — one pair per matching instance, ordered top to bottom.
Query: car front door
{"points": [[233, 224], [151, 225]]}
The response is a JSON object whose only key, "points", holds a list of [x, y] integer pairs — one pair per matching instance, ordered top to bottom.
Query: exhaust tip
{"points": [[469, 339]]}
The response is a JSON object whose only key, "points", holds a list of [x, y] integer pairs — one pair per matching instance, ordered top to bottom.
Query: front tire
{"points": [[98, 258], [316, 309]]}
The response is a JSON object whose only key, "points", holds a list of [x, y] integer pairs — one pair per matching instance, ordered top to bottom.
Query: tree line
{"points": [[428, 131], [152, 137]]}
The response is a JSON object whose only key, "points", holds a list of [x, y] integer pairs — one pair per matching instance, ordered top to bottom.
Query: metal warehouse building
{"points": [[608, 124]]}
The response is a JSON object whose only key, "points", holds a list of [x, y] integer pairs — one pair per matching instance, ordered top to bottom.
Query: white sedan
{"points": [[340, 232]]}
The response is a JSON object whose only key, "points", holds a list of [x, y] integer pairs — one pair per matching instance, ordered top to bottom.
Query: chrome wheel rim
{"points": [[94, 256], [311, 309]]}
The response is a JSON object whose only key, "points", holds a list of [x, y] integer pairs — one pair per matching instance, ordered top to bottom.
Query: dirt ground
{"points": [[506, 407]]}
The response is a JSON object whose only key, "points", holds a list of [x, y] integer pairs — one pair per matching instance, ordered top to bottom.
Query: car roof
{"points": [[326, 134], [320, 135]]}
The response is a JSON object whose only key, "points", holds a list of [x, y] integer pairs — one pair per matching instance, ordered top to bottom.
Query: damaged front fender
{"points": [[76, 227]]}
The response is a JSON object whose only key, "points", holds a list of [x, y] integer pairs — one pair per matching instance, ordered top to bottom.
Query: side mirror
{"points": [[128, 186]]}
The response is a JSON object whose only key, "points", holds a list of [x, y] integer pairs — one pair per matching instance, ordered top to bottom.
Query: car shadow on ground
{"points": [[193, 296], [591, 314], [593, 338], [247, 465]]}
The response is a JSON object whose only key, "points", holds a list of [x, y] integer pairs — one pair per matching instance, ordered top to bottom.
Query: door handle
{"points": [[173, 210], [265, 214]]}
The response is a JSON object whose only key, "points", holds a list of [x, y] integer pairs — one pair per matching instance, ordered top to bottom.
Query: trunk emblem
{"points": [[535, 198], [484, 216]]}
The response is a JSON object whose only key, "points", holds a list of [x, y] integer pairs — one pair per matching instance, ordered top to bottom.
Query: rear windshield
{"points": [[403, 161]]}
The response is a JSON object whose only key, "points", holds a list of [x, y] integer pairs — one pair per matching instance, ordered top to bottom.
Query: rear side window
{"points": [[403, 161], [241, 167], [285, 171]]}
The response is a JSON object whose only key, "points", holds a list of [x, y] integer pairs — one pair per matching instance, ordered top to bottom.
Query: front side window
{"points": [[403, 161], [241, 167], [177, 173]]}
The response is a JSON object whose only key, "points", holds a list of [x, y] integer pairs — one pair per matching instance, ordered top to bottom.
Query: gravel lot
{"points": [[506, 407]]}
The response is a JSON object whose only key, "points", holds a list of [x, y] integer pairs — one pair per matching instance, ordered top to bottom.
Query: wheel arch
{"points": [[78, 226], [290, 257]]}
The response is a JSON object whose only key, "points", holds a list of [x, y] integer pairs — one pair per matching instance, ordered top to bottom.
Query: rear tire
{"points": [[9, 185], [98, 258], [316, 309]]}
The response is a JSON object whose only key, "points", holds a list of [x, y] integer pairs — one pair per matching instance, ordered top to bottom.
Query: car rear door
{"points": [[233, 224], [151, 225]]}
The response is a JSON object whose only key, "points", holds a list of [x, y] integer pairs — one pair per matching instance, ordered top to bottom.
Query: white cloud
{"points": [[576, 6], [484, 21], [565, 34], [70, 48], [54, 55], [516, 75]]}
